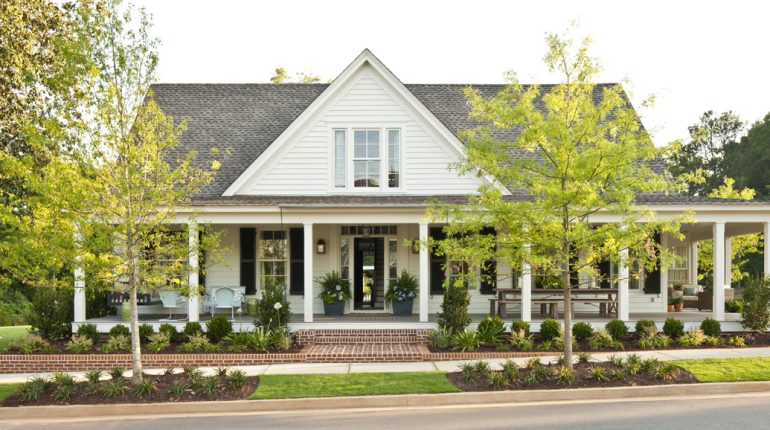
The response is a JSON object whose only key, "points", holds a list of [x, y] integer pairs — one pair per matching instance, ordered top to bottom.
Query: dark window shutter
{"points": [[249, 259], [297, 261], [201, 262], [437, 264], [489, 270], [604, 274], [574, 276], [652, 278]]}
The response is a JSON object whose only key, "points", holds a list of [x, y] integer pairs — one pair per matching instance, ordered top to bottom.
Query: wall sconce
{"points": [[320, 246], [415, 246]]}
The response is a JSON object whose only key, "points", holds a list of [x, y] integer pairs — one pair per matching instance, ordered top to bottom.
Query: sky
{"points": [[691, 56]]}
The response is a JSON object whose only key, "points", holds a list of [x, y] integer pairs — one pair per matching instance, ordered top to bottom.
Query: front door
{"points": [[368, 274]]}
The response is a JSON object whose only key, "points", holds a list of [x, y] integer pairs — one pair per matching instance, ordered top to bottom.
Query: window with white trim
{"points": [[366, 158], [394, 158], [340, 159], [273, 257]]}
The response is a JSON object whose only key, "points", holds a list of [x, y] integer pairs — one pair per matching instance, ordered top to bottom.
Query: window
{"points": [[366, 158], [394, 158], [340, 159], [272, 257], [344, 259], [393, 261], [678, 271]]}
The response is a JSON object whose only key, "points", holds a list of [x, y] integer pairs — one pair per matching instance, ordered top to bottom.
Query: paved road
{"points": [[733, 412]]}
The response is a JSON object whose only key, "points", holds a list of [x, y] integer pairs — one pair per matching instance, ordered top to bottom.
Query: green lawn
{"points": [[9, 333], [728, 369], [354, 384], [8, 389]]}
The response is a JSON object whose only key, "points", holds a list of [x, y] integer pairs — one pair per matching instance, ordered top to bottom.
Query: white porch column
{"points": [[766, 231], [728, 261], [694, 262], [424, 278], [526, 290], [308, 299], [79, 301], [193, 301], [718, 304], [623, 305]]}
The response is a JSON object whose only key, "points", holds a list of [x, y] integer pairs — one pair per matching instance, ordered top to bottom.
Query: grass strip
{"points": [[728, 369], [353, 384]]}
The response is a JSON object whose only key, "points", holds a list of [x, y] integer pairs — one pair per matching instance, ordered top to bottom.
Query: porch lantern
{"points": [[320, 246]]}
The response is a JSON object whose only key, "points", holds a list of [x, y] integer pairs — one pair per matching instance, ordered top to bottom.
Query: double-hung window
{"points": [[375, 155], [366, 159], [273, 256]]}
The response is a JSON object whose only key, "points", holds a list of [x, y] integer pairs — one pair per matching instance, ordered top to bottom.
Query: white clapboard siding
{"points": [[302, 167]]}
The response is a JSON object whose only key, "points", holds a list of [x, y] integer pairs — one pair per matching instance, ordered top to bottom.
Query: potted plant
{"points": [[334, 292], [401, 294], [671, 304], [678, 304]]}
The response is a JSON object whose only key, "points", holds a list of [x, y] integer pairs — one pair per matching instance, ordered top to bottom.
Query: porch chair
{"points": [[225, 297], [171, 300]]}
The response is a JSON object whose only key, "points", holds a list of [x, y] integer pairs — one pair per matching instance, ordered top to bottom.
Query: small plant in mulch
{"points": [[79, 344], [632, 371], [191, 385]]}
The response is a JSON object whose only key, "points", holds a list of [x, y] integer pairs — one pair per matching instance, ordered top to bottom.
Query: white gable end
{"points": [[304, 163]]}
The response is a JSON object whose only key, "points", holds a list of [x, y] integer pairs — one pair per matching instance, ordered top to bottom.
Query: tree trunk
{"points": [[567, 309], [136, 351]]}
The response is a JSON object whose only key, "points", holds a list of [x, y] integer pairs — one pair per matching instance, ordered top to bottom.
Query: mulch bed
{"points": [[59, 347], [581, 379], [88, 394]]}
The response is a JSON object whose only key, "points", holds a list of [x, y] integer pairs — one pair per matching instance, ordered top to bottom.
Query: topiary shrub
{"points": [[756, 300], [272, 308], [454, 309], [51, 315], [519, 326], [643, 326], [711, 327], [192, 328], [218, 328], [673, 328], [550, 329], [617, 329], [120, 330], [491, 330], [582, 330], [89, 331], [145, 331]]}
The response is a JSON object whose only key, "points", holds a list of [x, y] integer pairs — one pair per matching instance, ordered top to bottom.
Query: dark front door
{"points": [[368, 280]]}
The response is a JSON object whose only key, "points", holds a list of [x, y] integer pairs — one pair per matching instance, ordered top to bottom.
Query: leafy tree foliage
{"points": [[281, 76], [748, 159]]}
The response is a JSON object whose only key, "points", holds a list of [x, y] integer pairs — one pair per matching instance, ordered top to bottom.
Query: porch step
{"points": [[362, 336], [364, 352]]}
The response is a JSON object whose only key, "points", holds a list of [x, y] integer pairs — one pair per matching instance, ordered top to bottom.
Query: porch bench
{"points": [[553, 305], [497, 306], [606, 306]]}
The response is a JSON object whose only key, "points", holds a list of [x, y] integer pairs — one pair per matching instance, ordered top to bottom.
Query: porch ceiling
{"points": [[704, 231]]}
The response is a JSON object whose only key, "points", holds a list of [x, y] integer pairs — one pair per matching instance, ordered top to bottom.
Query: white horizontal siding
{"points": [[302, 168]]}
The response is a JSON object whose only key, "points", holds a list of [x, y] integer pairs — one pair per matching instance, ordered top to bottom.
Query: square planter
{"points": [[334, 309], [402, 309]]}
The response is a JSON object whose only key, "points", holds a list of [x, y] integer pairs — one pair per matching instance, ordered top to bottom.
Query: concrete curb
{"points": [[89, 412]]}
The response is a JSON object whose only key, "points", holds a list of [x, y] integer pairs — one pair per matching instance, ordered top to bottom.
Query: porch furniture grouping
{"points": [[224, 297], [552, 297]]}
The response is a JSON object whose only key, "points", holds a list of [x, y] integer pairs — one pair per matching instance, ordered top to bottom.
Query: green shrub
{"points": [[756, 298], [734, 306], [15, 307], [272, 308], [454, 309], [51, 315], [641, 325], [520, 326], [711, 327], [192, 328], [218, 328], [673, 328], [550, 329], [617, 329], [120, 330], [170, 330], [89, 331], [145, 331], [491, 331], [582, 331], [650, 338], [692, 338], [260, 339], [281, 339], [440, 339], [466, 340], [603, 340], [521, 341], [738, 341], [158, 342], [198, 342], [237, 342], [117, 343], [29, 344], [79, 344], [584, 357], [510, 371], [667, 371], [117, 372], [468, 372], [597, 374], [565, 375], [93, 376], [236, 379], [496, 381], [114, 388], [33, 389], [144, 389]]}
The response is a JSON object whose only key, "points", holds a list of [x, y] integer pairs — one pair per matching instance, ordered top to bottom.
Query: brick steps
{"points": [[362, 336], [364, 352]]}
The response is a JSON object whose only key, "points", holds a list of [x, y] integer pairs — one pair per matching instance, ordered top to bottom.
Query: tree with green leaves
{"points": [[281, 76], [567, 152], [704, 153], [748, 159], [129, 175]]}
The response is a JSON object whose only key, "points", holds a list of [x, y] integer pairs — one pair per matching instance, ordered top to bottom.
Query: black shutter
{"points": [[249, 259], [297, 261], [201, 262], [437, 264], [488, 270], [604, 274], [574, 276], [652, 278], [378, 289]]}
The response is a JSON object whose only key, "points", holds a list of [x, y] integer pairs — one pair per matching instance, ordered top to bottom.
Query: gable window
{"points": [[366, 158], [394, 158], [340, 159]]}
